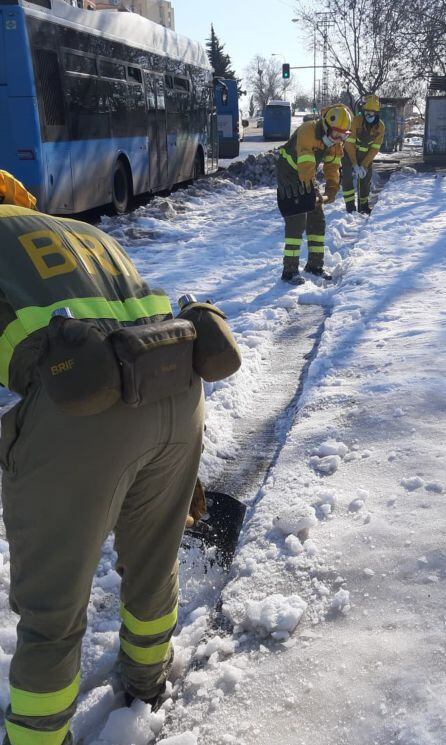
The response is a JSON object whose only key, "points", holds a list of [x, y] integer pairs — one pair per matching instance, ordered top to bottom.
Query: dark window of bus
{"points": [[79, 63], [111, 69], [134, 74], [169, 82], [181, 84], [51, 87], [88, 111]]}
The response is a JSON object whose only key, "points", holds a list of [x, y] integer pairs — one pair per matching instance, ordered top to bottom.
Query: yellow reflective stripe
{"points": [[351, 139], [375, 146], [363, 149], [288, 158], [306, 159], [332, 159], [348, 192], [349, 199], [363, 200], [9, 210], [316, 238], [293, 241], [316, 249], [291, 252], [33, 318], [149, 628], [146, 655], [30, 704], [24, 736]]}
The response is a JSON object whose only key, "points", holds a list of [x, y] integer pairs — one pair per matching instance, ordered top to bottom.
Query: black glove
{"points": [[305, 187], [288, 191]]}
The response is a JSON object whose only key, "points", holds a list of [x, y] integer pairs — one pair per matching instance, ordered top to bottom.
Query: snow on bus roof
{"points": [[129, 28], [279, 103]]}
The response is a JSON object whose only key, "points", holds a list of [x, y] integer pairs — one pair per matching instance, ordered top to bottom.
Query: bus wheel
{"points": [[198, 166], [120, 188]]}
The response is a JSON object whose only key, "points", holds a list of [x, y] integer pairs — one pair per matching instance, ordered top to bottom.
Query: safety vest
{"points": [[364, 142], [305, 150], [48, 263]]}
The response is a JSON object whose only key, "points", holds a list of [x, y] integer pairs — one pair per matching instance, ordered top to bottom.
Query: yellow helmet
{"points": [[371, 103], [337, 120]]}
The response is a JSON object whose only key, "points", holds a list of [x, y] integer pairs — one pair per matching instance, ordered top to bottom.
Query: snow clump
{"points": [[412, 483], [296, 520], [341, 602], [276, 613]]}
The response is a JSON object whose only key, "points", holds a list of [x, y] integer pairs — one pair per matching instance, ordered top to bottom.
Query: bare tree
{"points": [[425, 38], [364, 44], [264, 77]]}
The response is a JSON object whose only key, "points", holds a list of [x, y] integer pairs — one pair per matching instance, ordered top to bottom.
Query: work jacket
{"points": [[365, 141], [305, 150], [12, 191], [47, 263]]}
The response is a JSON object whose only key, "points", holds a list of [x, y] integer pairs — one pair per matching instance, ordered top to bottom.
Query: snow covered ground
{"points": [[331, 637]]}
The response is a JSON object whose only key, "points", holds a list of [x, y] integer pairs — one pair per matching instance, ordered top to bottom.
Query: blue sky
{"points": [[247, 28]]}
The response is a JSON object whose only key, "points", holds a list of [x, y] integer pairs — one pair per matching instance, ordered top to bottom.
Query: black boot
{"points": [[350, 206], [365, 209], [318, 271], [293, 278], [155, 702]]}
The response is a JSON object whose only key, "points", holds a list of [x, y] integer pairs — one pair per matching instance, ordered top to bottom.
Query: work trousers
{"points": [[348, 186], [295, 226], [67, 482]]}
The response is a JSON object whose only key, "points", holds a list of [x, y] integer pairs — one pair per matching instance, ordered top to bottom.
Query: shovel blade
{"points": [[221, 525]]}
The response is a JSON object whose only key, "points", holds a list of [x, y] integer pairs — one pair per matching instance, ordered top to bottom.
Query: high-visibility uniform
{"points": [[361, 147], [300, 157], [12, 191], [68, 480]]}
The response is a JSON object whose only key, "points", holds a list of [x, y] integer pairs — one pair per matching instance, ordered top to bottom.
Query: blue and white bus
{"points": [[99, 106], [228, 117], [277, 121]]}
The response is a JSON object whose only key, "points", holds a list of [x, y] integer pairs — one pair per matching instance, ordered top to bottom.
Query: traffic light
{"points": [[286, 71]]}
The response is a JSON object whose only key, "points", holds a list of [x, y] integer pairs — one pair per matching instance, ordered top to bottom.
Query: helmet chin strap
{"points": [[328, 142]]}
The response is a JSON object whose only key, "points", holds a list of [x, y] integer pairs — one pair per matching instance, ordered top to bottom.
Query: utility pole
{"points": [[323, 24]]}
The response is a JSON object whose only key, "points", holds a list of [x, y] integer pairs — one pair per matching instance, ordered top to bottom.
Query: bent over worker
{"points": [[314, 142], [361, 147], [68, 480]]}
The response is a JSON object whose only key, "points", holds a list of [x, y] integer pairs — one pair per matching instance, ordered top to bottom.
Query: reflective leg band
{"points": [[349, 196], [363, 200], [316, 238], [316, 249], [291, 252], [149, 628], [146, 655], [27, 704], [24, 736]]}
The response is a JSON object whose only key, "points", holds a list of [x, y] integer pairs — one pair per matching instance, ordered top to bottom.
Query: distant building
{"points": [[159, 11]]}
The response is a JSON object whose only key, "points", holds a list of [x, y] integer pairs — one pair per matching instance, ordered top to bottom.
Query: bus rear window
{"points": [[78, 63], [111, 69], [134, 74], [51, 87]]}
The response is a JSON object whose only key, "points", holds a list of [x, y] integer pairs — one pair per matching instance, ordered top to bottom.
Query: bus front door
{"points": [[157, 134]]}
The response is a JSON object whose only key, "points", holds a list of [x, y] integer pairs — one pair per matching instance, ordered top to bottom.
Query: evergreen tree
{"points": [[220, 61], [251, 106]]}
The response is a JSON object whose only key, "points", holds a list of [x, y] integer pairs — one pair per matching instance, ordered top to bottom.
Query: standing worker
{"points": [[314, 142], [361, 147], [79, 461]]}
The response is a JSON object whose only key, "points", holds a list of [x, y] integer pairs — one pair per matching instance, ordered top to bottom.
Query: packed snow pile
{"points": [[256, 170], [275, 615]]}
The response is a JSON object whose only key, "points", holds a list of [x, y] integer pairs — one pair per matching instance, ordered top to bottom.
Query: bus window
{"points": [[80, 64], [111, 69], [134, 75], [169, 82], [181, 84], [51, 88], [160, 99]]}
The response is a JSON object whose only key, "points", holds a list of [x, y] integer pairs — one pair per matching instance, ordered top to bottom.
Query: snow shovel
{"points": [[220, 526]]}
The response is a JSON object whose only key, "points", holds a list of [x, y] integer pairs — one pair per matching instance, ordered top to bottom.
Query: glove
{"points": [[355, 170], [362, 172], [304, 187], [288, 191], [330, 195], [198, 505]]}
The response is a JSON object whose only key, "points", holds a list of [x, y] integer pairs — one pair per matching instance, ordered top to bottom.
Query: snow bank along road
{"points": [[339, 637]]}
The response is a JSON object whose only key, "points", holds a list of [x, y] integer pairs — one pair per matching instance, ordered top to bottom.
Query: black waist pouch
{"points": [[289, 206], [216, 353], [156, 360], [78, 367]]}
